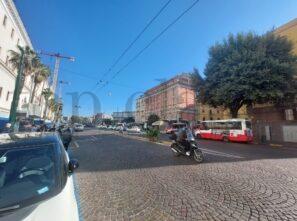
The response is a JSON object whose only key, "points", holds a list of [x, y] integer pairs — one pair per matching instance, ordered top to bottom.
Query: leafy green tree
{"points": [[247, 69], [198, 83], [152, 118], [75, 119]]}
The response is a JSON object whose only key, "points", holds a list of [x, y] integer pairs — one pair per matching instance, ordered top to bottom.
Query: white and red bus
{"points": [[237, 130]]}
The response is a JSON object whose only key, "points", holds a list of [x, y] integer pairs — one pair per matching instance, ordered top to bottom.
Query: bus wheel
{"points": [[198, 136], [225, 139]]}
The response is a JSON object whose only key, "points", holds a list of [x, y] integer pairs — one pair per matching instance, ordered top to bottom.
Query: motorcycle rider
{"points": [[182, 140]]}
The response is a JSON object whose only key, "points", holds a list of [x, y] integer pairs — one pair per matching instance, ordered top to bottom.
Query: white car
{"points": [[78, 127], [134, 129], [36, 181]]}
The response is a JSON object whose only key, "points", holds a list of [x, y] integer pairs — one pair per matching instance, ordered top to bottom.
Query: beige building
{"points": [[13, 33], [172, 100], [206, 112], [140, 113]]}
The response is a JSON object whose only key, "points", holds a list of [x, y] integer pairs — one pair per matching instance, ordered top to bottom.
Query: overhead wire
{"points": [[150, 43]]}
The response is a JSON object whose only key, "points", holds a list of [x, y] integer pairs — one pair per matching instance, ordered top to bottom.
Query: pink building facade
{"points": [[172, 100]]}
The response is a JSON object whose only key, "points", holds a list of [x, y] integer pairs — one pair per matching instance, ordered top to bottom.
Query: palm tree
{"points": [[30, 58], [22, 61], [41, 73], [46, 93], [55, 107]]}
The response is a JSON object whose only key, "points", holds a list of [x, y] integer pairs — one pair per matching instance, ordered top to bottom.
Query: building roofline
{"points": [[18, 21], [286, 26], [166, 82]]}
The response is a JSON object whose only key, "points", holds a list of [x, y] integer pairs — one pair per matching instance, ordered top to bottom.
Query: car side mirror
{"points": [[73, 165]]}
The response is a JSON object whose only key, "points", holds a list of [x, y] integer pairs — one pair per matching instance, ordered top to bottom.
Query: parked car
{"points": [[3, 122], [78, 127], [175, 127], [134, 129], [36, 181]]}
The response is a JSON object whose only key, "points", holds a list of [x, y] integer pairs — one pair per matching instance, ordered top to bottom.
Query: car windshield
{"points": [[38, 122], [26, 173]]}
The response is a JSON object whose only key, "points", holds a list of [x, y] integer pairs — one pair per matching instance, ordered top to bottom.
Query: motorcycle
{"points": [[179, 148]]}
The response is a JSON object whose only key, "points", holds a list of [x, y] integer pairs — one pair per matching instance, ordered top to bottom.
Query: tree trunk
{"points": [[41, 92], [33, 93], [45, 110], [234, 110], [234, 113]]}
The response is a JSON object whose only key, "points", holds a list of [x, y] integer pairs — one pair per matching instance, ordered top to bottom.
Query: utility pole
{"points": [[58, 57], [60, 88], [17, 92]]}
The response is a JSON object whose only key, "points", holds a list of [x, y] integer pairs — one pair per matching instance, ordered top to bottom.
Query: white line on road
{"points": [[93, 138], [75, 144], [218, 153]]}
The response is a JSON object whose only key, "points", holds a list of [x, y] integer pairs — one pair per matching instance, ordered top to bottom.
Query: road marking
{"points": [[93, 138], [75, 144], [167, 144], [218, 153]]}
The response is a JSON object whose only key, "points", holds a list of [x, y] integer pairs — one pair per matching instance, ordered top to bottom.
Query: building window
{"points": [[4, 20], [12, 33], [18, 42], [1, 88], [7, 96], [202, 110], [218, 111], [289, 114], [203, 118]]}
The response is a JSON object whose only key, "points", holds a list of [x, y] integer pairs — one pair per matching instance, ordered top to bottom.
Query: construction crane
{"points": [[58, 57]]}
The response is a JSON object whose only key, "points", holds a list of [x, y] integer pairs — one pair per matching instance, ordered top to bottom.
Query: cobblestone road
{"points": [[126, 179]]}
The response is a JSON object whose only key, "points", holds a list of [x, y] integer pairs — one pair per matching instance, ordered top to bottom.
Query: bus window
{"points": [[236, 125], [248, 125], [203, 126]]}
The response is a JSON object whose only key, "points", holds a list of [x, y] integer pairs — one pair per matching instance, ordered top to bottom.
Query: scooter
{"points": [[179, 149]]}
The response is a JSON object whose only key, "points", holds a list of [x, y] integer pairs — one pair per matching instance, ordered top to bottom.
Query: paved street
{"points": [[122, 178]]}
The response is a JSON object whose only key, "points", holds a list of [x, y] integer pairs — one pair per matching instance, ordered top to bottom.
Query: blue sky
{"points": [[96, 32]]}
